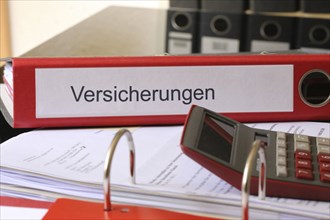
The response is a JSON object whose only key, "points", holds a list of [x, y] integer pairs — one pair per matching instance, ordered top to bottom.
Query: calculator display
{"points": [[216, 138]]}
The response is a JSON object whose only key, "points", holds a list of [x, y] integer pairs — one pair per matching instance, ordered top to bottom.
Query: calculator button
{"points": [[281, 135], [301, 138], [323, 141], [281, 143], [302, 146], [323, 149], [281, 151], [303, 155], [324, 158], [281, 160], [306, 164], [325, 167], [281, 171], [304, 174], [325, 177]]}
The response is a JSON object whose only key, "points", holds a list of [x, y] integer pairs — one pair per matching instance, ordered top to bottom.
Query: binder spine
{"points": [[192, 4], [273, 5], [315, 6], [221, 26], [182, 27], [270, 33], [314, 35]]}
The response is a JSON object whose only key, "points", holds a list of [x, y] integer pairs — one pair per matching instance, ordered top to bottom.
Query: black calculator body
{"points": [[298, 166]]}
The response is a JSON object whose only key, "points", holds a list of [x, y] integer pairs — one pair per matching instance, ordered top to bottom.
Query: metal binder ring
{"points": [[259, 147], [108, 161]]}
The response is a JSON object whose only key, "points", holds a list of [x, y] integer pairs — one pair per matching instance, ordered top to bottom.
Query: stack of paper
{"points": [[47, 164]]}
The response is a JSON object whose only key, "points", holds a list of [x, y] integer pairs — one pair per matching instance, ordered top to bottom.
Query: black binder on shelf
{"points": [[273, 5], [315, 6], [221, 26], [182, 27], [270, 33], [314, 34]]}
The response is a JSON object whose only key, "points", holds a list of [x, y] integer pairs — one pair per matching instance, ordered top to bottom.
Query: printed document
{"points": [[48, 164]]}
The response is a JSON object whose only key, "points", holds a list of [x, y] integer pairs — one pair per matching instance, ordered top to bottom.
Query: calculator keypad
{"points": [[305, 165]]}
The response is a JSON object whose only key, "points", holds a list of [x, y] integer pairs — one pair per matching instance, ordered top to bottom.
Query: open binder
{"points": [[75, 209]]}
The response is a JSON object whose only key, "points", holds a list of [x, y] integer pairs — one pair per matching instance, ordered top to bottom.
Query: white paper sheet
{"points": [[165, 176], [18, 213]]}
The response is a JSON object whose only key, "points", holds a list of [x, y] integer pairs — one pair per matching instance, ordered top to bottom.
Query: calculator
{"points": [[298, 166]]}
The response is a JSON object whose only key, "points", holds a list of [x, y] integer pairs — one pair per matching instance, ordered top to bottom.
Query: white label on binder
{"points": [[180, 43], [219, 45], [261, 45], [315, 50], [124, 91]]}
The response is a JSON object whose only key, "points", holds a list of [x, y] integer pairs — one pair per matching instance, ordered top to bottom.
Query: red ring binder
{"points": [[75, 209]]}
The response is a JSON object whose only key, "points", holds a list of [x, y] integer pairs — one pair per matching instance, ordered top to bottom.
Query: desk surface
{"points": [[114, 31]]}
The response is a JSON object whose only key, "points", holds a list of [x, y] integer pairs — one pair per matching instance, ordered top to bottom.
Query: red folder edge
{"points": [[25, 103], [27, 203], [74, 209]]}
